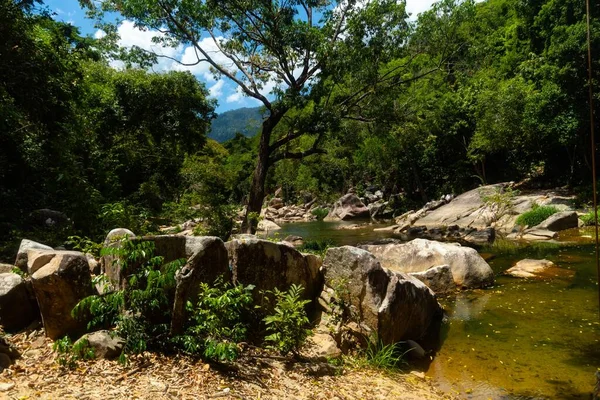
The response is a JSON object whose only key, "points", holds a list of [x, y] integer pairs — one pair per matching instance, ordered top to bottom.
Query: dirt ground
{"points": [[36, 375]]}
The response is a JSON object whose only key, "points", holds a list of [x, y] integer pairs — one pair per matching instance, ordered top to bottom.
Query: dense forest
{"points": [[482, 92], [243, 120]]}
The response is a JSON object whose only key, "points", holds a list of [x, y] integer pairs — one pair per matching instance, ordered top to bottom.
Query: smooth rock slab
{"points": [[560, 221], [26, 245], [538, 269], [469, 270], [58, 287], [17, 307]]}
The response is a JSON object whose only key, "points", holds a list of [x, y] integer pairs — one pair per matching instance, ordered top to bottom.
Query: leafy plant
{"points": [[320, 213], [536, 215], [588, 219], [85, 245], [316, 246], [140, 312], [216, 321], [287, 326], [68, 353], [382, 356]]}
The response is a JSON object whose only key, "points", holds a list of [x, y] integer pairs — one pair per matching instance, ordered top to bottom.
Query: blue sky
{"points": [[226, 93]]}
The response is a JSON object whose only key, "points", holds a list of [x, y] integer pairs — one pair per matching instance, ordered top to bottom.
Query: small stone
{"points": [[6, 386]]}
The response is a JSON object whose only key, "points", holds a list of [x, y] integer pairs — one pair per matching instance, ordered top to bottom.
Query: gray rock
{"points": [[348, 207], [560, 221], [268, 226], [538, 234], [480, 237], [27, 244], [207, 261], [93, 264], [109, 264], [269, 265], [6, 268], [539, 269], [469, 270], [439, 279], [58, 287], [394, 305], [17, 307], [105, 344], [322, 346]]}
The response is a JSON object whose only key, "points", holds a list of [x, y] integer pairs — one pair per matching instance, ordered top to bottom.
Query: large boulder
{"points": [[348, 207], [560, 221], [267, 226], [26, 245], [207, 261], [109, 264], [269, 265], [469, 269], [439, 279], [58, 287], [394, 305], [17, 306]]}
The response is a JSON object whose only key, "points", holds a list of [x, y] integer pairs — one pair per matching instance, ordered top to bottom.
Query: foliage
{"points": [[320, 213], [536, 215], [589, 219], [85, 245], [316, 246], [140, 312], [216, 321], [287, 326], [68, 353], [382, 356]]}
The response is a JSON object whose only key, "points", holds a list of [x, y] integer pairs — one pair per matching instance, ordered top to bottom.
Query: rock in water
{"points": [[348, 207], [560, 221], [26, 245], [269, 265], [540, 269], [469, 270], [439, 279], [58, 287], [393, 304], [17, 307]]}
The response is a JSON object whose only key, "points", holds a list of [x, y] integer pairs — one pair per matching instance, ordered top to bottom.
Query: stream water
{"points": [[520, 339]]}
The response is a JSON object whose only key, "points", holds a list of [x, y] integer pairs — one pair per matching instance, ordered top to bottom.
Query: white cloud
{"points": [[415, 7], [99, 34], [202, 69], [216, 90], [235, 97]]}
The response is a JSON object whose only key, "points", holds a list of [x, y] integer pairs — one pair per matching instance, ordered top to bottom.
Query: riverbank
{"points": [[254, 376]]}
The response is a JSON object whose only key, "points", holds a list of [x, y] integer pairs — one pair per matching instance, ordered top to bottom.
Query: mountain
{"points": [[246, 121]]}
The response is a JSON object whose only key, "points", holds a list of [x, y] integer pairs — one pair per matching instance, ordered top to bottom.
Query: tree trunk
{"points": [[257, 189]]}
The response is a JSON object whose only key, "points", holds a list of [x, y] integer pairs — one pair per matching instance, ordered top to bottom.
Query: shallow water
{"points": [[519, 339]]}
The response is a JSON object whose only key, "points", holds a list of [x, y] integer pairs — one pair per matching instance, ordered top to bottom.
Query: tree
{"points": [[304, 47]]}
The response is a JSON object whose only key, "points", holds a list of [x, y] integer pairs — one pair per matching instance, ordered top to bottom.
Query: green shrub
{"points": [[500, 202], [320, 213], [536, 215], [588, 219], [84, 244], [316, 246], [216, 322], [288, 325], [69, 353], [382, 356]]}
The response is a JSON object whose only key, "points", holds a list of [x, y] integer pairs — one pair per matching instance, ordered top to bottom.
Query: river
{"points": [[520, 339]]}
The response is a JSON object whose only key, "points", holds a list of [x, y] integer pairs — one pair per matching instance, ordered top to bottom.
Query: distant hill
{"points": [[246, 121]]}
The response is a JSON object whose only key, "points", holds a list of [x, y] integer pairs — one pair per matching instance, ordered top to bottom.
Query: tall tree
{"points": [[295, 44]]}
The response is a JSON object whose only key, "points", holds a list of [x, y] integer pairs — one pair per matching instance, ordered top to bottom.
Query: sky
{"points": [[227, 94]]}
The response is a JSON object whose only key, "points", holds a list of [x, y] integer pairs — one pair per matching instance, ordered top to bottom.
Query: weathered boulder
{"points": [[276, 203], [348, 207], [560, 221], [268, 226], [480, 237], [26, 245], [207, 261], [93, 264], [110, 264], [269, 265], [6, 268], [538, 269], [469, 270], [439, 279], [58, 287], [394, 305], [17, 307], [105, 344], [322, 346]]}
